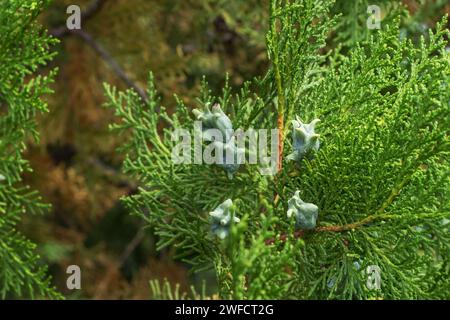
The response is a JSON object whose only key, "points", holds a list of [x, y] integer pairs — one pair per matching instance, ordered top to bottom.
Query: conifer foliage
{"points": [[24, 46], [379, 179]]}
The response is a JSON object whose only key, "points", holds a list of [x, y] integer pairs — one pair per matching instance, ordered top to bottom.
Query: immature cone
{"points": [[215, 119], [306, 141], [230, 163], [2, 177], [305, 213], [221, 219]]}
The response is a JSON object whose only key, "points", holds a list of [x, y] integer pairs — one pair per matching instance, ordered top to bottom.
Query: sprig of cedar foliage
{"points": [[23, 48], [380, 178]]}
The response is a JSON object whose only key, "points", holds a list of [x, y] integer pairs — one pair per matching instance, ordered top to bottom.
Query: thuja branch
{"points": [[273, 47], [279, 84], [280, 121], [394, 193], [355, 225], [335, 228]]}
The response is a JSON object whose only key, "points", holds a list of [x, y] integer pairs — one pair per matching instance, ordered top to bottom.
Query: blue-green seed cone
{"points": [[215, 119], [305, 140], [305, 213], [221, 219]]}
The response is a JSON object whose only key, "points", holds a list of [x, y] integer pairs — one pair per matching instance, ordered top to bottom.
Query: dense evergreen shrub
{"points": [[379, 179]]}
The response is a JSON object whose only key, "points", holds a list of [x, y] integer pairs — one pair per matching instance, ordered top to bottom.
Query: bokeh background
{"points": [[76, 166]]}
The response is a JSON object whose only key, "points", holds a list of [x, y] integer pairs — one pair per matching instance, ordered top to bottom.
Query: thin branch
{"points": [[92, 9], [86, 37], [281, 108], [112, 173], [341, 228], [134, 243]]}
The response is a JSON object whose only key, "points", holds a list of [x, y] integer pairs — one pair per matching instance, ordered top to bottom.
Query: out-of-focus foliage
{"points": [[24, 47]]}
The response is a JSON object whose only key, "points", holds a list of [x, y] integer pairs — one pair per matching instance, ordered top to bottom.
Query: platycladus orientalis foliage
{"points": [[380, 172]]}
